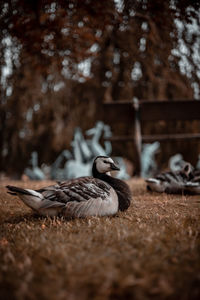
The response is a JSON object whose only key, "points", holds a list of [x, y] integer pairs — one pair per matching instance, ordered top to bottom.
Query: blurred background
{"points": [[61, 60]]}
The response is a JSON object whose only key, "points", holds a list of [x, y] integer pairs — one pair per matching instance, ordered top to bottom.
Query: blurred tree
{"points": [[61, 59]]}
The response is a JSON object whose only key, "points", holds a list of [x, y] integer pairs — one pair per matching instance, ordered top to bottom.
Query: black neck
{"points": [[120, 187]]}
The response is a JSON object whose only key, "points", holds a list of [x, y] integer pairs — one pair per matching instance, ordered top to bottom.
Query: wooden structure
{"points": [[136, 113]]}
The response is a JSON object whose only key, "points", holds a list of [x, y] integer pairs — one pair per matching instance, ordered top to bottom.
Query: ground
{"points": [[151, 251]]}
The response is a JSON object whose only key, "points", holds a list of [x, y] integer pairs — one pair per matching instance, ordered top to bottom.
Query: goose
{"points": [[94, 143], [148, 161], [176, 162], [80, 164], [56, 171], [34, 173], [171, 182], [97, 195]]}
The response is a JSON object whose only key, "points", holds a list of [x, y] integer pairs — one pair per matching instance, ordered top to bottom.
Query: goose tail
{"points": [[14, 190], [31, 198]]}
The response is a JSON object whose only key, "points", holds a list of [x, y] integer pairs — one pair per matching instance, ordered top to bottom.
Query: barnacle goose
{"points": [[171, 182], [97, 195]]}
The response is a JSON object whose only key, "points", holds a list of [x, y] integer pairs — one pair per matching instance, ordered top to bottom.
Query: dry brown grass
{"points": [[152, 251]]}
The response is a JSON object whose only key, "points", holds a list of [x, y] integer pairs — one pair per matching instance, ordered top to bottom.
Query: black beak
{"points": [[114, 167]]}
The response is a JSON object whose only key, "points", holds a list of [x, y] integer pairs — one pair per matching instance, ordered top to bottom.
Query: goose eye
{"points": [[106, 162]]}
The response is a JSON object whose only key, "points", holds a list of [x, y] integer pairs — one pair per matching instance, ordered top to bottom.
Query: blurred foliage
{"points": [[61, 59]]}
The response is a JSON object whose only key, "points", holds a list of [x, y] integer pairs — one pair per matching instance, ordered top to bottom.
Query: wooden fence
{"points": [[138, 112]]}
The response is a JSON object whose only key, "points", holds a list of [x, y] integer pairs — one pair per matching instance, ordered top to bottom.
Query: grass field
{"points": [[152, 251]]}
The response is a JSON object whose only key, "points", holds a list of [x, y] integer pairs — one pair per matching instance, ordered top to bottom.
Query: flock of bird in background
{"points": [[78, 163], [182, 177]]}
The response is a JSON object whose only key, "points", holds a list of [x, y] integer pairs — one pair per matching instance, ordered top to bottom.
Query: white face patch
{"points": [[103, 164]]}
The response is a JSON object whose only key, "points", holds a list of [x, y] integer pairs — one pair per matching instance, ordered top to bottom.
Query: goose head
{"points": [[103, 165], [187, 171]]}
